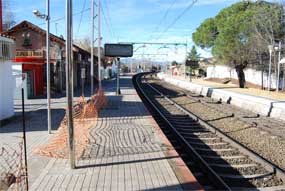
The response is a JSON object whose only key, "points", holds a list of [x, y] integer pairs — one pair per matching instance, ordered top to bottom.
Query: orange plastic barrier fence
{"points": [[85, 117]]}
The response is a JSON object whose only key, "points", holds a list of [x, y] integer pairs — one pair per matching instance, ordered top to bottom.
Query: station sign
{"points": [[118, 50]]}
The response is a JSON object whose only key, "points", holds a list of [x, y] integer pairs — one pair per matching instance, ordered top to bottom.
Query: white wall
{"points": [[251, 75], [19, 82], [7, 85], [263, 106]]}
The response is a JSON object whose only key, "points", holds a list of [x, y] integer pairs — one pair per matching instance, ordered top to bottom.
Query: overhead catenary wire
{"points": [[193, 2], [163, 18], [80, 20], [110, 20], [107, 22]]}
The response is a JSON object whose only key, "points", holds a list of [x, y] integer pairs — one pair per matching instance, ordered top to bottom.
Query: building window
{"points": [[26, 39]]}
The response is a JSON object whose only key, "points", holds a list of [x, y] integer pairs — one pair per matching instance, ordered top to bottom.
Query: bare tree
{"points": [[8, 16], [267, 27], [84, 43]]}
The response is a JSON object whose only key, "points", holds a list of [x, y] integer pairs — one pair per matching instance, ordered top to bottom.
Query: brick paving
{"points": [[36, 127], [125, 152]]}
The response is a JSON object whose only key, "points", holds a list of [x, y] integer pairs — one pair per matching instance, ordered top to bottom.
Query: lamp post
{"points": [[47, 18], [270, 48], [278, 48]]}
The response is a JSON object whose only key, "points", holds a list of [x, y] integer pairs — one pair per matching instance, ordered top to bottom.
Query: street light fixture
{"points": [[47, 18], [270, 48]]}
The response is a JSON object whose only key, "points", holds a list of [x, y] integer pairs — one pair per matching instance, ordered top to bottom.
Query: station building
{"points": [[30, 42]]}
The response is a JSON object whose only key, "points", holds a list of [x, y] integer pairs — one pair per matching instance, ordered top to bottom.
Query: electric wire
{"points": [[62, 18], [163, 18], [177, 18], [80, 20], [107, 21]]}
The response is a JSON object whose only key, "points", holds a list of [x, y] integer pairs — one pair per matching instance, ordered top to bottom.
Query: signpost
{"points": [[118, 50]]}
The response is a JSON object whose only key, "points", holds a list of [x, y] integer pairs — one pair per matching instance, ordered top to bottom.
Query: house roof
{"points": [[26, 24], [6, 36]]}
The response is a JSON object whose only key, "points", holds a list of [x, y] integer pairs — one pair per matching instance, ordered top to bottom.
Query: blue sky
{"points": [[128, 20]]}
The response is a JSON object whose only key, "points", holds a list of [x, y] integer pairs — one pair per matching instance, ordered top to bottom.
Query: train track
{"points": [[217, 161]]}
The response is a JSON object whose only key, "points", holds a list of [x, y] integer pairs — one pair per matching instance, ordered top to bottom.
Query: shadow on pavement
{"points": [[35, 121]]}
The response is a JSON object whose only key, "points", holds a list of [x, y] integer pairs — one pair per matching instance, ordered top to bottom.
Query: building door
{"points": [[30, 83]]}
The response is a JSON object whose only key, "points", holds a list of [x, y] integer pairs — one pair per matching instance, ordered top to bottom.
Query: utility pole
{"points": [[99, 44], [186, 46], [92, 49], [48, 65], [69, 71]]}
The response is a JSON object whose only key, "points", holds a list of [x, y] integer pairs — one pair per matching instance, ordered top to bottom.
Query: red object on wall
{"points": [[29, 59], [38, 80]]}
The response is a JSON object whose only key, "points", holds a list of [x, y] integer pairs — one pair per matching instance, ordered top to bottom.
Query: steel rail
{"points": [[269, 166], [208, 171]]}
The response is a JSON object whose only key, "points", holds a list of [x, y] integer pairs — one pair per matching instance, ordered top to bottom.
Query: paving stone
{"points": [[124, 152]]}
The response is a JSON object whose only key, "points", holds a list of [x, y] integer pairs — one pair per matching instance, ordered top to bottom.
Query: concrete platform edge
{"points": [[263, 106]]}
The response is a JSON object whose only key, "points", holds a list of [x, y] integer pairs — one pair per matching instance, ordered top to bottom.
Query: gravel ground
{"points": [[215, 116], [269, 144]]}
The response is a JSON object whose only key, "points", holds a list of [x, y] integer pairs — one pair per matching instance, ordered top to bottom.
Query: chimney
{"points": [[1, 17]]}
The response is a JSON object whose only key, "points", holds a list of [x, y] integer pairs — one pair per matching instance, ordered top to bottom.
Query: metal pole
{"points": [[99, 44], [92, 49], [185, 61], [48, 66], [131, 66], [278, 66], [69, 68], [269, 72], [118, 77], [283, 88], [25, 141]]}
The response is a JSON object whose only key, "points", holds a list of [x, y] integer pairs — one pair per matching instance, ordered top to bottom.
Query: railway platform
{"points": [[266, 103], [127, 151]]}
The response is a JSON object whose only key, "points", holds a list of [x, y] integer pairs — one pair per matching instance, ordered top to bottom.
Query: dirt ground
{"points": [[251, 89]]}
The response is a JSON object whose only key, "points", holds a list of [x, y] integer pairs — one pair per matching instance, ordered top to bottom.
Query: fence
{"points": [[85, 117], [12, 167]]}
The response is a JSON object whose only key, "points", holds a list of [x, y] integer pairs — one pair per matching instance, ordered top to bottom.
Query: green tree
{"points": [[240, 33], [193, 54], [192, 60], [174, 63]]}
